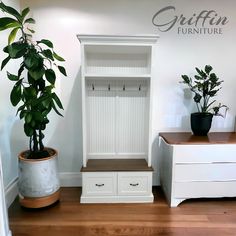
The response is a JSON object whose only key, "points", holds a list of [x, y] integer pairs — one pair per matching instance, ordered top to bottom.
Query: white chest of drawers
{"points": [[194, 166]]}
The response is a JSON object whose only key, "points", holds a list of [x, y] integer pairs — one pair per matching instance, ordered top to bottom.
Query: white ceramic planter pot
{"points": [[38, 178]]}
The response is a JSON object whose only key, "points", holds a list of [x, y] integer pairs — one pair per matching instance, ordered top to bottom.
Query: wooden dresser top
{"points": [[190, 139]]}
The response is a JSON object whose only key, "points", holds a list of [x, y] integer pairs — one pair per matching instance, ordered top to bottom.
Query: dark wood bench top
{"points": [[189, 138], [95, 165]]}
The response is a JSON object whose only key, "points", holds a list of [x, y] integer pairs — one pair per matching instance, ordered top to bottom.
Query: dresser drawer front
{"points": [[204, 153], [205, 172], [134, 183], [99, 184], [205, 189]]}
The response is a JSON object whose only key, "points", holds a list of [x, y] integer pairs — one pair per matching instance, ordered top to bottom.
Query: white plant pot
{"points": [[38, 178]]}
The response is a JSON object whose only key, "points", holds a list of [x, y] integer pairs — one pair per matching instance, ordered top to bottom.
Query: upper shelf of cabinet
{"points": [[117, 56], [118, 60]]}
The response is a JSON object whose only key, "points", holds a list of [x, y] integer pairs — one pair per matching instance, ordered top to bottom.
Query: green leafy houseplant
{"points": [[205, 87], [33, 90]]}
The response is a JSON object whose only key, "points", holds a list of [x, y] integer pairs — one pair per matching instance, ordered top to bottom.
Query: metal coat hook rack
{"points": [[121, 87]]}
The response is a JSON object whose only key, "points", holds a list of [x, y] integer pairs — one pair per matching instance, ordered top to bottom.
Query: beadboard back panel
{"points": [[117, 119]]}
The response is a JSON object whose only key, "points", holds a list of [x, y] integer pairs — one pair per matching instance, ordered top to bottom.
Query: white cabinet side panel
{"points": [[166, 170]]}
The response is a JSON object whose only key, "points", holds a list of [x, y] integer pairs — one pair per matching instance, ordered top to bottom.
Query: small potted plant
{"points": [[205, 86], [33, 93]]}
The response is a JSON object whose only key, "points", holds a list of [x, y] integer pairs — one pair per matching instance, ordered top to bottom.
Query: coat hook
{"points": [[93, 86], [109, 87], [124, 87], [139, 88]]}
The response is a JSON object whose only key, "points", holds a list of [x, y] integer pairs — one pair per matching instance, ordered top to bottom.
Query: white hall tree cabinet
{"points": [[116, 106], [198, 166]]}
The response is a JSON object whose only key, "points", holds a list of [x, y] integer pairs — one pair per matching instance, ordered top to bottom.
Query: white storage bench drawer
{"points": [[117, 181], [136, 183], [95, 184], [117, 187]]}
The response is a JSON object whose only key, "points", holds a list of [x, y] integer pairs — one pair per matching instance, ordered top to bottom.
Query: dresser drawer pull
{"points": [[99, 185], [134, 185]]}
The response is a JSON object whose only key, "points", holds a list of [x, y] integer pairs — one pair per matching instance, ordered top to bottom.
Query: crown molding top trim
{"points": [[144, 39]]}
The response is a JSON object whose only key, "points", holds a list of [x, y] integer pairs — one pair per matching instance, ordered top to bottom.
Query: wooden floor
{"points": [[70, 218]]}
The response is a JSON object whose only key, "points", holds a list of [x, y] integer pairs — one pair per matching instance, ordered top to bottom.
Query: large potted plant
{"points": [[205, 86], [33, 93]]}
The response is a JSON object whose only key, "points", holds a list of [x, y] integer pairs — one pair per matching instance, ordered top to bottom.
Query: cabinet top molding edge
{"points": [[92, 38], [187, 138]]}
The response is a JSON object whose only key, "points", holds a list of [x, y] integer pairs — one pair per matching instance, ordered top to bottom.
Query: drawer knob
{"points": [[134, 184], [99, 185]]}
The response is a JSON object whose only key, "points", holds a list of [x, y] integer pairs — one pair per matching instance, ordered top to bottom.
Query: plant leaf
{"points": [[10, 10], [24, 13], [30, 21], [7, 22], [30, 30], [12, 35], [46, 42], [17, 50], [48, 54], [57, 57], [32, 60], [5, 61], [208, 69], [21, 70], [62, 70], [37, 74], [50, 76], [12, 77], [197, 77], [186, 79], [15, 95], [197, 98], [57, 100], [46, 102], [21, 108], [55, 109], [22, 114], [38, 116], [28, 117], [28, 130]]}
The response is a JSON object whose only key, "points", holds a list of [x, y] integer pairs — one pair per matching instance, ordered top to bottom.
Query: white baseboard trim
{"points": [[70, 179], [11, 192], [117, 199]]}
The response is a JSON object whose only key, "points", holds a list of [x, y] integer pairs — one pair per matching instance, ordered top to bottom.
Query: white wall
{"points": [[60, 21], [11, 141], [8, 143]]}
